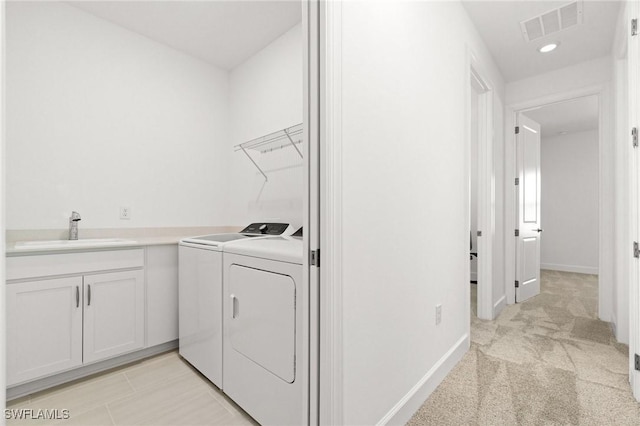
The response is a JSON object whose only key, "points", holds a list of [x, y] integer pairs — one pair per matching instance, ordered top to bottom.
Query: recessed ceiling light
{"points": [[548, 47]]}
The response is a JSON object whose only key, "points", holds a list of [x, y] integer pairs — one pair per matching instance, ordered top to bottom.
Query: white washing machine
{"points": [[200, 295], [266, 339]]}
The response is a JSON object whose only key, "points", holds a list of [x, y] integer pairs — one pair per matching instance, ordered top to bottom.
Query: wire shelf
{"points": [[291, 136]]}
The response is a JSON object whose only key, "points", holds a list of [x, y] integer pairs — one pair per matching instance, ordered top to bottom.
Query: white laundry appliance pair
{"points": [[244, 319]]}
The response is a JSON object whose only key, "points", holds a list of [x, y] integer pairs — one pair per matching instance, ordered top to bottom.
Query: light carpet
{"points": [[546, 361]]}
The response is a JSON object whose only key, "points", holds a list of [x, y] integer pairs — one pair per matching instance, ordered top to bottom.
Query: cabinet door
{"points": [[113, 314], [44, 328]]}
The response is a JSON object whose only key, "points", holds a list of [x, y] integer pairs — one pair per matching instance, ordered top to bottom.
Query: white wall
{"points": [[573, 77], [266, 96], [100, 117], [569, 170], [404, 198]]}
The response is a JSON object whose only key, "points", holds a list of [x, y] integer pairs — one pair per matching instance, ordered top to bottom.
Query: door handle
{"points": [[539, 230], [88, 294], [77, 296], [234, 301]]}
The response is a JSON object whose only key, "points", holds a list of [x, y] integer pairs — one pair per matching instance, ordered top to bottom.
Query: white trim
{"points": [[633, 75], [605, 181], [486, 183], [311, 201], [570, 268], [331, 278], [499, 306], [3, 321], [413, 400]]}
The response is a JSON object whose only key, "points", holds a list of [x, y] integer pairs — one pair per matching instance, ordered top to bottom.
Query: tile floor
{"points": [[163, 390]]}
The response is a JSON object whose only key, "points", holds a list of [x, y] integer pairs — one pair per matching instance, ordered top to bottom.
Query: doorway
{"points": [[565, 165], [557, 192], [481, 219]]}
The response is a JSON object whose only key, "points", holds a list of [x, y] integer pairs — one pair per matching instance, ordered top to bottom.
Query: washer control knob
{"points": [[263, 228]]}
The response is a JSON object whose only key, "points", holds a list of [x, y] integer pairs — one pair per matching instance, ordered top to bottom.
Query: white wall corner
{"points": [[499, 306], [413, 400]]}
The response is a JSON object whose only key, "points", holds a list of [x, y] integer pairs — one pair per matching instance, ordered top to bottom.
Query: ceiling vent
{"points": [[552, 21]]}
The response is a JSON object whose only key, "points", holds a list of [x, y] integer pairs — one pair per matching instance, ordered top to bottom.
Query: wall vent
{"points": [[552, 21]]}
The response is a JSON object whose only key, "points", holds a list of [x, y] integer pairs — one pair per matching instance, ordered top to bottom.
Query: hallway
{"points": [[546, 361]]}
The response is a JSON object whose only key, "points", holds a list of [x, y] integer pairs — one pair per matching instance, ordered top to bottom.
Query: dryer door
{"points": [[263, 319]]}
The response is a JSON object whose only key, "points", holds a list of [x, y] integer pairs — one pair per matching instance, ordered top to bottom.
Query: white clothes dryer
{"points": [[200, 295], [266, 321]]}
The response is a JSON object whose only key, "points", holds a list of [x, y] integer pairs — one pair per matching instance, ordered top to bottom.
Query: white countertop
{"points": [[131, 237]]}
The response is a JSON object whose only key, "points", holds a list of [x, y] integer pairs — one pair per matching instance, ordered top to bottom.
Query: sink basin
{"points": [[52, 244]]}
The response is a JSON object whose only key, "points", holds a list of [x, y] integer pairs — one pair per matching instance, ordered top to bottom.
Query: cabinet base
{"points": [[77, 373]]}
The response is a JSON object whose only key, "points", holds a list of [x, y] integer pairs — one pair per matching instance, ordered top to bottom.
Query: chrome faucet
{"points": [[73, 225]]}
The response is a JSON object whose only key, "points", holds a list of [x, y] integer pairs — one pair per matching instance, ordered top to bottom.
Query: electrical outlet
{"points": [[125, 213], [438, 314]]}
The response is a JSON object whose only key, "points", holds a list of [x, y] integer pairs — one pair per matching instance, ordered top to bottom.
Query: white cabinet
{"points": [[113, 314], [58, 323], [44, 327]]}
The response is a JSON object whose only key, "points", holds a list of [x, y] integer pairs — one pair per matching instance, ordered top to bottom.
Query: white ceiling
{"points": [[498, 23], [222, 33], [571, 116]]}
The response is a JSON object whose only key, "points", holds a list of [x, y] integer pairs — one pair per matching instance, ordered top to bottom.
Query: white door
{"points": [[528, 209], [113, 314], [44, 328]]}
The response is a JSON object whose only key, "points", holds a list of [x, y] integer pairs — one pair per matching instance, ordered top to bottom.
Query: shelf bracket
{"points": [[286, 132], [254, 163]]}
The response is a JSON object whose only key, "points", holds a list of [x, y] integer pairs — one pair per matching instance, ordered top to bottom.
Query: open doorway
{"points": [[474, 122], [481, 186], [558, 192]]}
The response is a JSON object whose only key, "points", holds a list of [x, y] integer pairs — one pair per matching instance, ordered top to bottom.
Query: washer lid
{"points": [[216, 240], [283, 249]]}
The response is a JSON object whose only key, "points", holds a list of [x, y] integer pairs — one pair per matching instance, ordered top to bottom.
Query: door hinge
{"points": [[634, 27], [517, 129], [634, 137], [517, 181], [517, 232], [479, 233], [636, 250], [314, 258], [517, 284], [637, 362]]}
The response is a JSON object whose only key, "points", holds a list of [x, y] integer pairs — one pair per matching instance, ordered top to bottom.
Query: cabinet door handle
{"points": [[88, 294], [77, 296]]}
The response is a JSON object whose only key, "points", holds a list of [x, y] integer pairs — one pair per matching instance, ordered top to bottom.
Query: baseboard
{"points": [[570, 268], [499, 306], [614, 327], [80, 372], [409, 404]]}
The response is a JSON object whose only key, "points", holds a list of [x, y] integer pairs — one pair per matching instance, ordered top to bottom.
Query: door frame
{"points": [[633, 80], [605, 179], [486, 185], [311, 201], [3, 321], [331, 381]]}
